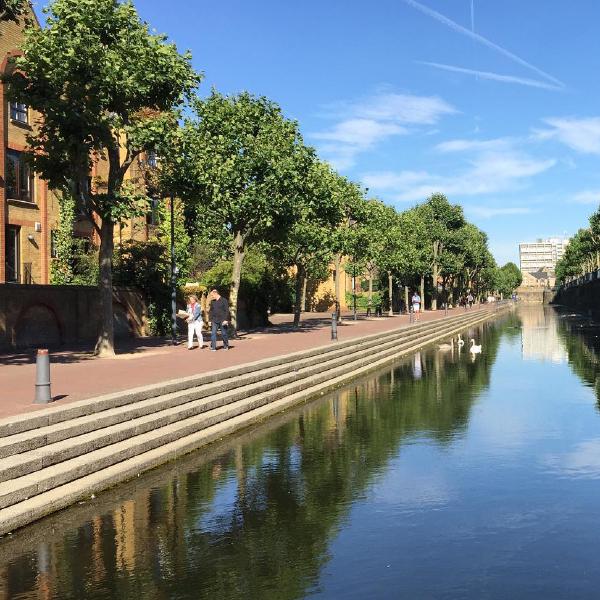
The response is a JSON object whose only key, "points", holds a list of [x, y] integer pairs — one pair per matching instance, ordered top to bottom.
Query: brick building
{"points": [[28, 212]]}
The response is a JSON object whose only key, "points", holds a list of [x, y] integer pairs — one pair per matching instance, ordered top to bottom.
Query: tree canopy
{"points": [[108, 90]]}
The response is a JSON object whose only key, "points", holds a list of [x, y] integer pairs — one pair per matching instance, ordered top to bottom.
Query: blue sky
{"points": [[388, 92]]}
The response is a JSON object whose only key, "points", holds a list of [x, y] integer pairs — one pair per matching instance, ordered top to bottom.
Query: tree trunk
{"points": [[437, 246], [239, 251], [300, 278], [304, 286], [434, 287], [370, 288], [390, 293], [423, 294], [406, 299], [338, 305], [105, 346]]}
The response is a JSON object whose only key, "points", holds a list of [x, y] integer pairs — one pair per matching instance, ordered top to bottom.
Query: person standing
{"points": [[416, 304], [218, 315], [194, 321]]}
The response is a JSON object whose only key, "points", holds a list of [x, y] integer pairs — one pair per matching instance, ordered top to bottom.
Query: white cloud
{"points": [[481, 40], [495, 76], [403, 108], [365, 123], [362, 133], [582, 135], [462, 145], [488, 173], [587, 197]]}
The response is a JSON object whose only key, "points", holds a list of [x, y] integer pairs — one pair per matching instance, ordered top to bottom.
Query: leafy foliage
{"points": [[12, 10], [108, 90], [238, 160], [509, 278]]}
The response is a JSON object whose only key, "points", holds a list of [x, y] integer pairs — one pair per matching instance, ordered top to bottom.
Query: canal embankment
{"points": [[582, 293], [57, 456]]}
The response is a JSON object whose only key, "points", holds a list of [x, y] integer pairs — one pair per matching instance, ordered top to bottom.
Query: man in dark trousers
{"points": [[218, 315]]}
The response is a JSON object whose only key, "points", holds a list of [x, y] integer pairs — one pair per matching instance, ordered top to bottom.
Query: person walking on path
{"points": [[470, 300], [416, 304], [218, 315], [194, 321]]}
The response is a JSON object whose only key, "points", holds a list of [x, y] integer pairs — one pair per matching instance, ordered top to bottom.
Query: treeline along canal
{"points": [[446, 476]]}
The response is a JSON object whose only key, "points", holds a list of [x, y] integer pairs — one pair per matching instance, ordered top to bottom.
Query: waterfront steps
{"points": [[56, 456]]}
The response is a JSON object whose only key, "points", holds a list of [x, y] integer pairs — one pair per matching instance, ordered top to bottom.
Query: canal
{"points": [[446, 476]]}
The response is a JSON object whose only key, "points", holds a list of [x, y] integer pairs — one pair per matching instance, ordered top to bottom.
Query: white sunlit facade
{"points": [[541, 254]]}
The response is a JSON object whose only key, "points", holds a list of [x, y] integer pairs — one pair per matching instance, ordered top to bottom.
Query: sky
{"points": [[493, 103]]}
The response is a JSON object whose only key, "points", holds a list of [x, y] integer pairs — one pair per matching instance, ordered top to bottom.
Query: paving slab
{"points": [[76, 374]]}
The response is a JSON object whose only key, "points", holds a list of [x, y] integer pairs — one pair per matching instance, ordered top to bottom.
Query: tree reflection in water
{"points": [[581, 337], [253, 518]]}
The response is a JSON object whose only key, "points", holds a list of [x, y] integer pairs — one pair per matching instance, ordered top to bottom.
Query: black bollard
{"points": [[334, 326], [42, 378]]}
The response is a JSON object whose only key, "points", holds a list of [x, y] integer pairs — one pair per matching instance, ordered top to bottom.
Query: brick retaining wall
{"points": [[52, 315]]}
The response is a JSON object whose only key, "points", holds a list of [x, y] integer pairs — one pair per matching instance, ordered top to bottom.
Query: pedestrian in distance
{"points": [[416, 304], [218, 315], [194, 322]]}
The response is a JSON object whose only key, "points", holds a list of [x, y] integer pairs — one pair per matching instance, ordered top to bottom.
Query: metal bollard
{"points": [[334, 326], [42, 377]]}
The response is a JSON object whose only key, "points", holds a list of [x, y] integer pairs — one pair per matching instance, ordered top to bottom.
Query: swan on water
{"points": [[460, 341], [445, 346], [474, 349]]}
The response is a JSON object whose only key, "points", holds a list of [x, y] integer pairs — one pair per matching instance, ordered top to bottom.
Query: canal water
{"points": [[446, 476]]}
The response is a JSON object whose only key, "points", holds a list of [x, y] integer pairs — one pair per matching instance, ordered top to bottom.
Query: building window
{"points": [[19, 112], [19, 179], [53, 244], [13, 253]]}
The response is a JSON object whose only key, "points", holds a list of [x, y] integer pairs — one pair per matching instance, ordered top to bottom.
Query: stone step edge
{"points": [[55, 414], [34, 439], [27, 465], [32, 509], [22, 513]]}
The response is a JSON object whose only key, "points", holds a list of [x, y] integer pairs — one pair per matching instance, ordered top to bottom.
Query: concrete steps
{"points": [[90, 445]]}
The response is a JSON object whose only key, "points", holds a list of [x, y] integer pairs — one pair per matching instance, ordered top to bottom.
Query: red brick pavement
{"points": [[76, 374]]}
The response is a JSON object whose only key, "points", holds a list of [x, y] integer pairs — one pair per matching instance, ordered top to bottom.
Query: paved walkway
{"points": [[76, 374]]}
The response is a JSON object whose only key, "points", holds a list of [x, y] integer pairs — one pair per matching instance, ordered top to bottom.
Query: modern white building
{"points": [[541, 254]]}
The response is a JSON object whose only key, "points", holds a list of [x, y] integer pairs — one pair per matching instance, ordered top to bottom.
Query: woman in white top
{"points": [[194, 321]]}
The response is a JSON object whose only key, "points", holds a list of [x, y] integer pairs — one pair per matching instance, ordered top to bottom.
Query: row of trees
{"points": [[110, 90], [582, 254]]}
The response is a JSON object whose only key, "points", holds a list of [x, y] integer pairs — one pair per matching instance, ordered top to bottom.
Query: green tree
{"points": [[13, 10], [108, 90], [237, 160], [442, 220], [308, 244], [509, 278]]}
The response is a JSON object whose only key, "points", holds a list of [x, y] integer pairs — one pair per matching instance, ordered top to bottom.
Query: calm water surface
{"points": [[444, 477]]}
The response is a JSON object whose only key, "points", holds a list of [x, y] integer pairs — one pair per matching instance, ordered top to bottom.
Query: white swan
{"points": [[460, 341], [445, 347], [474, 349]]}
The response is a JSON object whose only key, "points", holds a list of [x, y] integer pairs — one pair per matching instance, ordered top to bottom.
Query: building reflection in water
{"points": [[540, 339]]}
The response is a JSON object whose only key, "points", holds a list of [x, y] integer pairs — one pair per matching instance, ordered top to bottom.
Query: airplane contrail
{"points": [[481, 40], [495, 76]]}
